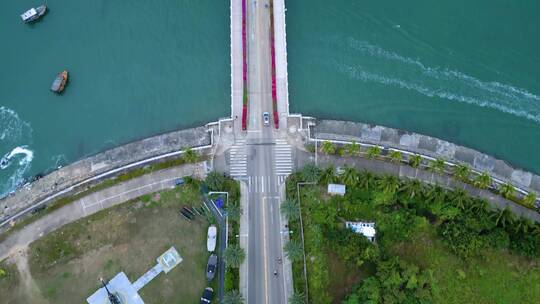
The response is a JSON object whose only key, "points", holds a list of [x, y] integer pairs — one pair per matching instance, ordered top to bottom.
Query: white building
{"points": [[336, 189], [366, 229]]}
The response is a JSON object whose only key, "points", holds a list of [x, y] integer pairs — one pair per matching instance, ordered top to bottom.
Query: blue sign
{"points": [[219, 203]]}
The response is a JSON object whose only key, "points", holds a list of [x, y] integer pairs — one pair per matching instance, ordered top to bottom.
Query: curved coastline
{"points": [[431, 147], [85, 172]]}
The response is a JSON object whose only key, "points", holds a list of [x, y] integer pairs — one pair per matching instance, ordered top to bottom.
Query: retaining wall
{"points": [[426, 145], [93, 166]]}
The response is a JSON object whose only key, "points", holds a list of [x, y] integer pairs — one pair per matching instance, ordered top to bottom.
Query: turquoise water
{"points": [[137, 68], [464, 71]]}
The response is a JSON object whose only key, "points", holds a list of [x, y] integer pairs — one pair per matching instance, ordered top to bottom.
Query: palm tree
{"points": [[328, 148], [352, 149], [373, 152], [191, 156], [395, 156], [415, 161], [436, 166], [462, 172], [311, 173], [328, 175], [350, 176], [215, 180], [366, 180], [482, 181], [388, 184], [413, 188], [507, 190], [435, 194], [460, 198], [529, 200], [478, 206], [290, 209], [233, 212], [503, 217], [523, 225], [293, 250], [234, 256], [232, 297], [297, 298]]}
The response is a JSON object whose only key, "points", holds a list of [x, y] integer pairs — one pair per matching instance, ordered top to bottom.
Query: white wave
{"points": [[358, 73], [412, 74], [12, 127], [27, 159]]}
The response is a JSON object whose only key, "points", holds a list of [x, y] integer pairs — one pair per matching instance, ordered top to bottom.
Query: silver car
{"points": [[266, 118], [211, 267]]}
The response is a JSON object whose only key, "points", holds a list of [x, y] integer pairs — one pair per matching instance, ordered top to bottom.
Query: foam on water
{"points": [[411, 74], [15, 135]]}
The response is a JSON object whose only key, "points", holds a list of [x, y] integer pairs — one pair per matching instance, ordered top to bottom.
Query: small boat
{"points": [[34, 14], [59, 82]]}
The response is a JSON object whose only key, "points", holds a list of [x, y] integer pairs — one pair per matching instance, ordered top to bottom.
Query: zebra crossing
{"points": [[283, 157], [238, 159], [265, 184]]}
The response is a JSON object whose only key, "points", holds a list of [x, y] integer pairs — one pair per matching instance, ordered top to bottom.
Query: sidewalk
{"points": [[88, 205], [244, 227]]}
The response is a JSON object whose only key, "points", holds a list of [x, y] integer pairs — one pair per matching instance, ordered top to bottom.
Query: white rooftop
{"points": [[336, 189], [366, 229]]}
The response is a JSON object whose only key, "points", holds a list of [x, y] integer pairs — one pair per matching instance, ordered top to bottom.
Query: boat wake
{"points": [[411, 74], [15, 163]]}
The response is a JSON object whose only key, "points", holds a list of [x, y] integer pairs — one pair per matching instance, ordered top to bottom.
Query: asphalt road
{"points": [[264, 238]]}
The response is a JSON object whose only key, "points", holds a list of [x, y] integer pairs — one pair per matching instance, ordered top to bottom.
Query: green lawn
{"points": [[65, 265], [496, 277]]}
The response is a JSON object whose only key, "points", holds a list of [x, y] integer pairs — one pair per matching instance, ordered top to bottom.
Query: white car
{"points": [[266, 118], [211, 240]]}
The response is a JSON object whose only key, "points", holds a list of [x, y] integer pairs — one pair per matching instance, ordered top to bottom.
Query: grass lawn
{"points": [[64, 266], [496, 277]]}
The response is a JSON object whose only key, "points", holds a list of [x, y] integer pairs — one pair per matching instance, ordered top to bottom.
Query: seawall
{"points": [[426, 145], [83, 173]]}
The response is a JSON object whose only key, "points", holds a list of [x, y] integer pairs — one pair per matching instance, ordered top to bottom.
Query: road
{"points": [[263, 147]]}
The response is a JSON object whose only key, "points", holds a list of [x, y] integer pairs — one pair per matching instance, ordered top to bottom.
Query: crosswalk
{"points": [[283, 158], [238, 159], [265, 184]]}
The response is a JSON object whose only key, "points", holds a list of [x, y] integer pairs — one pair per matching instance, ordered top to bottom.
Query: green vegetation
{"points": [[189, 157], [433, 245], [234, 256], [232, 297]]}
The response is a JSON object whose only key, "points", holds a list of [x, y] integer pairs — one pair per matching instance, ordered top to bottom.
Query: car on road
{"points": [[266, 118], [211, 240], [211, 267], [207, 296]]}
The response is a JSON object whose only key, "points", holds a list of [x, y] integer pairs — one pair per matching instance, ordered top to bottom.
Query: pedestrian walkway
{"points": [[283, 158], [238, 159], [264, 184]]}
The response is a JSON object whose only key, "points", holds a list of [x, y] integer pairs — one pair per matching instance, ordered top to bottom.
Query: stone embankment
{"points": [[346, 131], [81, 174]]}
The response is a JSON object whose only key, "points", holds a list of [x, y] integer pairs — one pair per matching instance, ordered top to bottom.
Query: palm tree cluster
{"points": [[461, 172]]}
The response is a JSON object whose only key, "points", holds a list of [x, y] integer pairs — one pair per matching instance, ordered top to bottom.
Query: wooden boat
{"points": [[34, 14], [59, 82]]}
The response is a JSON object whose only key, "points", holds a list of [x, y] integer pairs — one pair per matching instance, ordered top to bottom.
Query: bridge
{"points": [[256, 154]]}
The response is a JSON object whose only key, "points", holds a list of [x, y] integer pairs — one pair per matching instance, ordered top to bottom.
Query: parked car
{"points": [[266, 118], [211, 240], [211, 267], [207, 296]]}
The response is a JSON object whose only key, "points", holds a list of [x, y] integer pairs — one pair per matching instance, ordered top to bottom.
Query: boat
{"points": [[34, 14], [59, 82]]}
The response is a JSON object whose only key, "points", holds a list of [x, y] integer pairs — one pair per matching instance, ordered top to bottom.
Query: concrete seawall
{"points": [[426, 145], [133, 153]]}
